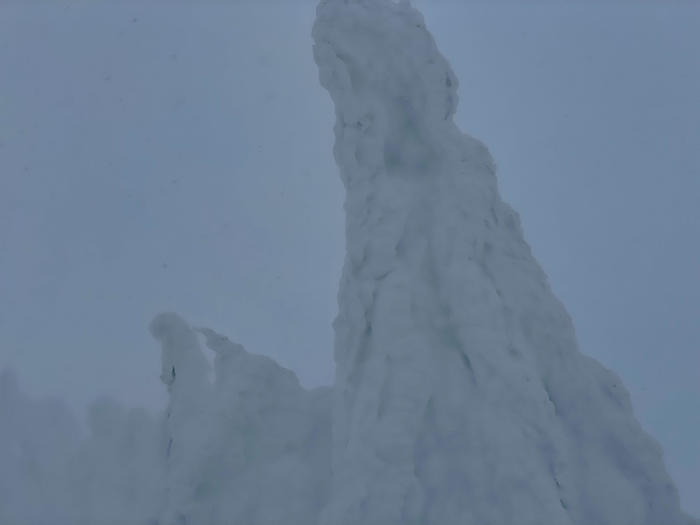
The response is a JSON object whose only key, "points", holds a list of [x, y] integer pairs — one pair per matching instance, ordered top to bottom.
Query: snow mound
{"points": [[460, 396], [37, 439]]}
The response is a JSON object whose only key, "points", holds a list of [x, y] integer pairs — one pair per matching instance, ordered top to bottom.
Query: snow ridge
{"points": [[460, 396]]}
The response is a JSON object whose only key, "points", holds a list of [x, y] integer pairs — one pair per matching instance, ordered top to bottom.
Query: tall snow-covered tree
{"points": [[461, 395]]}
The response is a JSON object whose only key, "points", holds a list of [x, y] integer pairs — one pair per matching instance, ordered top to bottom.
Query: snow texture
{"points": [[460, 395], [36, 441], [253, 447]]}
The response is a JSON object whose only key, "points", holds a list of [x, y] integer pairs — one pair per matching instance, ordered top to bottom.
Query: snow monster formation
{"points": [[461, 396], [252, 447]]}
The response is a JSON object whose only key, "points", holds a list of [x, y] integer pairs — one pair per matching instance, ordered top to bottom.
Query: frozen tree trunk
{"points": [[460, 395]]}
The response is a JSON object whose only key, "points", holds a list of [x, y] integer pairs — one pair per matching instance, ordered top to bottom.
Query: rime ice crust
{"points": [[460, 395], [253, 447]]}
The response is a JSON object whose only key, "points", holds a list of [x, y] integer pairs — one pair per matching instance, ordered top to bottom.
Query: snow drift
{"points": [[460, 396]]}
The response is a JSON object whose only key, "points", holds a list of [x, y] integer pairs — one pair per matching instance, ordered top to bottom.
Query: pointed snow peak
{"points": [[404, 95], [460, 393]]}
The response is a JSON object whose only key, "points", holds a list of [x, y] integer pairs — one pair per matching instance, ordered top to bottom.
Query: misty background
{"points": [[171, 156]]}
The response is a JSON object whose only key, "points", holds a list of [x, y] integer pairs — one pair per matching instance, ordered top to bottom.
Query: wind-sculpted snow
{"points": [[460, 395], [251, 447]]}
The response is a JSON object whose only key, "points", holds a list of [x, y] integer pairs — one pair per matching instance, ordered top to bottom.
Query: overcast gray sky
{"points": [[172, 157]]}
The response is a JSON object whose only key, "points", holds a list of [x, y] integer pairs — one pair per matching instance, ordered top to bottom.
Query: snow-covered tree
{"points": [[460, 395]]}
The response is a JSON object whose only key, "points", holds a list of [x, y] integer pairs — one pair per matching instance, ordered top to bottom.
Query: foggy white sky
{"points": [[176, 157]]}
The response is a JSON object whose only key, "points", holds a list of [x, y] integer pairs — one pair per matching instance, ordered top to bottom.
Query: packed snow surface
{"points": [[460, 398]]}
